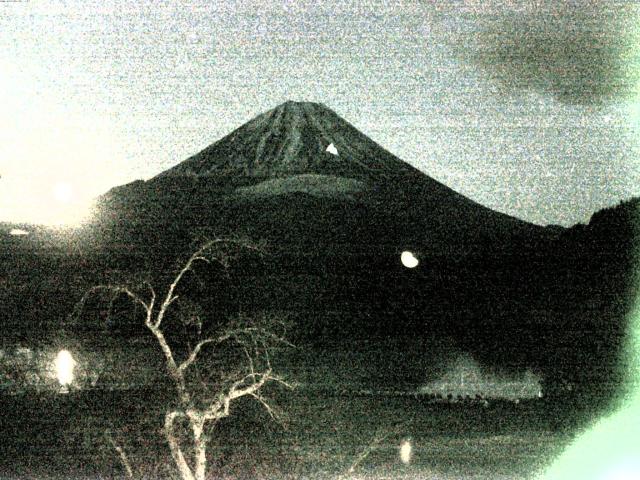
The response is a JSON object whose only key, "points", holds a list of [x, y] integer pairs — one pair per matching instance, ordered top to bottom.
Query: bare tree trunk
{"points": [[200, 445], [174, 446]]}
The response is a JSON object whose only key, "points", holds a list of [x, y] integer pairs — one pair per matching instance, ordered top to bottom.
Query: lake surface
{"points": [[323, 433]]}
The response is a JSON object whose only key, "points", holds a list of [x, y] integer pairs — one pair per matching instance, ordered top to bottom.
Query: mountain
{"points": [[299, 165], [336, 211]]}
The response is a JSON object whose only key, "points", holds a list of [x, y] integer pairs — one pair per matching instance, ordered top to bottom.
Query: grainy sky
{"points": [[530, 108]]}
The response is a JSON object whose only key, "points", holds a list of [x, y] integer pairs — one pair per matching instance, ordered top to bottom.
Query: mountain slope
{"points": [[290, 139]]}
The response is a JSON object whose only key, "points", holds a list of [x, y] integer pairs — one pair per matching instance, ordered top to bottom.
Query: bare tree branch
{"points": [[198, 256], [152, 303], [237, 335], [254, 339], [194, 353], [249, 359], [172, 368], [266, 406], [124, 459]]}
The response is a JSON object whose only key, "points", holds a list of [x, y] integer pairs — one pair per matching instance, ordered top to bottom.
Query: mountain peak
{"points": [[301, 105], [290, 139]]}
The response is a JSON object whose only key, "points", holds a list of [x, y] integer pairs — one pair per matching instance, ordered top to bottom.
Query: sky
{"points": [[530, 108]]}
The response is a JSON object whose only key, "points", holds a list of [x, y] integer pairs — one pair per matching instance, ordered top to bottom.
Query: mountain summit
{"points": [[292, 139]]}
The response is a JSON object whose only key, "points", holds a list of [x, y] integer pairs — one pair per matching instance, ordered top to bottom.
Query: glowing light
{"points": [[332, 149], [66, 160], [62, 192], [68, 208], [18, 232], [409, 260], [65, 364], [610, 448], [405, 451], [608, 451], [626, 470]]}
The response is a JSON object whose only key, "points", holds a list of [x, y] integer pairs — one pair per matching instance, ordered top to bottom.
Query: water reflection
{"points": [[65, 365]]}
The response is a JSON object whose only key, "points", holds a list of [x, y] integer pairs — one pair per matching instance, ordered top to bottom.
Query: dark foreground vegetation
{"points": [[561, 311], [322, 435]]}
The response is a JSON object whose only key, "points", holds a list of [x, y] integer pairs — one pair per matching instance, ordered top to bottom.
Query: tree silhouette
{"points": [[202, 401]]}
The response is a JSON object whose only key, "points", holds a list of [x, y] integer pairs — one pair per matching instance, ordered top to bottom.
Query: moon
{"points": [[409, 260]]}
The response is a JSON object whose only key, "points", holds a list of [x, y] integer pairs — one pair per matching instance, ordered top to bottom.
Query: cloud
{"points": [[579, 52]]}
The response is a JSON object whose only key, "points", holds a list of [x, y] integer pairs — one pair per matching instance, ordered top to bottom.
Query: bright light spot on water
{"points": [[332, 149], [18, 232], [409, 260], [64, 365], [405, 451]]}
